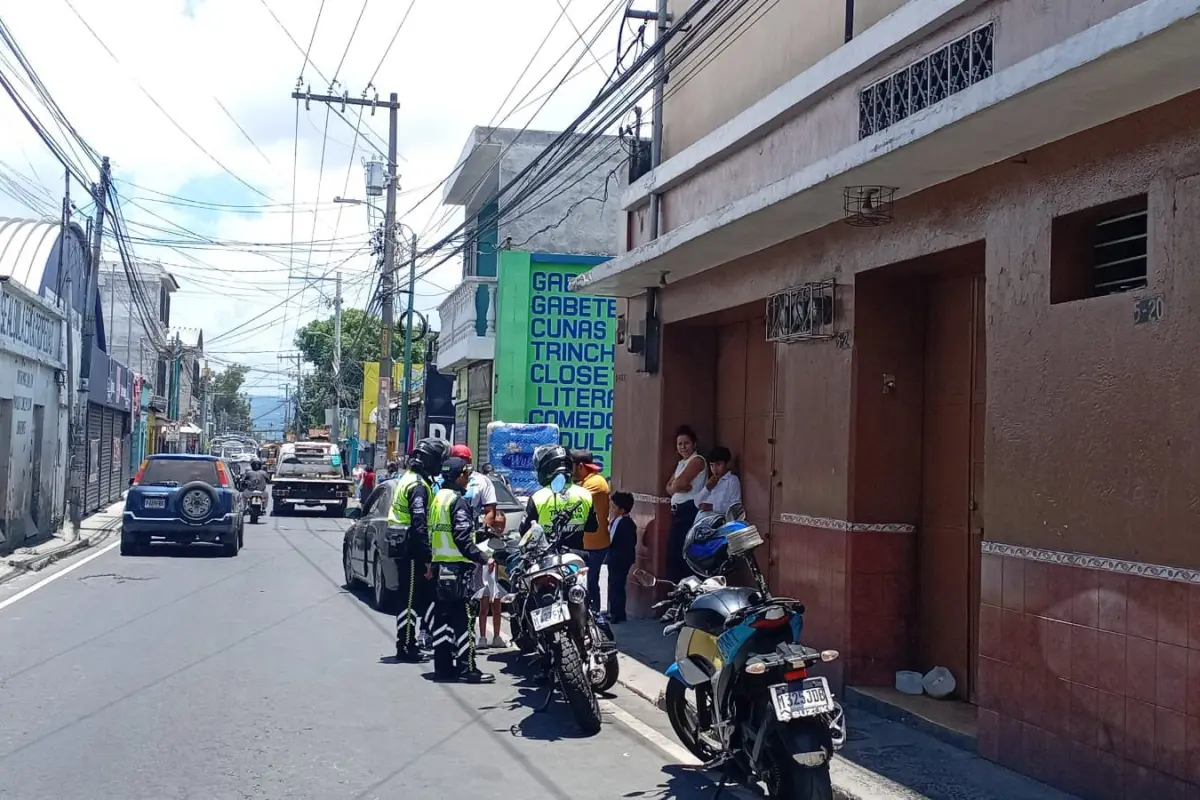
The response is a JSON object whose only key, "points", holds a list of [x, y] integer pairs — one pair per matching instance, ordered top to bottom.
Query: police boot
{"points": [[409, 654], [475, 675]]}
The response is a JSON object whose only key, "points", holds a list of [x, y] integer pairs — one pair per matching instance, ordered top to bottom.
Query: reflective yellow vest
{"points": [[549, 504], [400, 513], [441, 525]]}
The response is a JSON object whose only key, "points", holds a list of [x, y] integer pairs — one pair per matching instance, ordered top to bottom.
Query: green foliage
{"points": [[361, 338], [230, 407]]}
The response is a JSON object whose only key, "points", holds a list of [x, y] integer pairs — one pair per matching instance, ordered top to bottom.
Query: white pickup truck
{"points": [[308, 475]]}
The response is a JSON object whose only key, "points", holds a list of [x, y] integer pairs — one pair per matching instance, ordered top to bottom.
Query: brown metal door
{"points": [[945, 546]]}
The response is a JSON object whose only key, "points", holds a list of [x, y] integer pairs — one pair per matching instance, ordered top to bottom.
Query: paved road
{"points": [[181, 674]]}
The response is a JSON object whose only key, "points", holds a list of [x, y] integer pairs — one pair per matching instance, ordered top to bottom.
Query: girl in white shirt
{"points": [[691, 474]]}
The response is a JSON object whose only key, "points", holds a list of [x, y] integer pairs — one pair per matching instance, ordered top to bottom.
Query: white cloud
{"points": [[452, 64]]}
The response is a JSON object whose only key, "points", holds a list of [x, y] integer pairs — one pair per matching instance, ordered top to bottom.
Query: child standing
{"points": [[622, 553]]}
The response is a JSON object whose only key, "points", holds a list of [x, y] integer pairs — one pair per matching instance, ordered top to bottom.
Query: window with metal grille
{"points": [[946, 71], [1099, 251]]}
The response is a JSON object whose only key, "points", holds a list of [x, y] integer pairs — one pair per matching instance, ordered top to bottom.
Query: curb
{"points": [[43, 560]]}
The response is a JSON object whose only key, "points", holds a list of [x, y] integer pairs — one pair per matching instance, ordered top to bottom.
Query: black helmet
{"points": [[428, 456], [551, 460], [255, 464], [706, 548]]}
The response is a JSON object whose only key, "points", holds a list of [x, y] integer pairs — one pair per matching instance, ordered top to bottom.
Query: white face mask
{"points": [[558, 483]]}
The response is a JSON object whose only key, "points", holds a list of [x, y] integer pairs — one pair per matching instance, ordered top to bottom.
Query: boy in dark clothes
{"points": [[622, 553]]}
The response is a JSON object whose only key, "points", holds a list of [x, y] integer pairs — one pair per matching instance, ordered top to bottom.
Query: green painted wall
{"points": [[554, 350]]}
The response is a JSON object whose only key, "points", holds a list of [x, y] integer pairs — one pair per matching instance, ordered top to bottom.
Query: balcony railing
{"points": [[468, 323]]}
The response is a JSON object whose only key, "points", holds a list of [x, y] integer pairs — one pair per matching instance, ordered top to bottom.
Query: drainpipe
{"points": [[849, 20], [656, 127]]}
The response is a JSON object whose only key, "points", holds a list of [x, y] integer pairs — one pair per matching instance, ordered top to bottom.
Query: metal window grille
{"points": [[946, 71], [1119, 247], [801, 313]]}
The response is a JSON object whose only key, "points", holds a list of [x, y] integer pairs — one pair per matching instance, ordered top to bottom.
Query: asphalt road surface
{"points": [[183, 674]]}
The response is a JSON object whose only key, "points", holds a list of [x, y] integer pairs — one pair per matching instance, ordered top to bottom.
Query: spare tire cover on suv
{"points": [[197, 501]]}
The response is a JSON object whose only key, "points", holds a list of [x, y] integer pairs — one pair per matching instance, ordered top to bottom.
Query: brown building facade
{"points": [[980, 452]]}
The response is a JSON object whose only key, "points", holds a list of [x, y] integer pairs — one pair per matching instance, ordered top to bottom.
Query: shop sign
{"points": [[26, 327]]}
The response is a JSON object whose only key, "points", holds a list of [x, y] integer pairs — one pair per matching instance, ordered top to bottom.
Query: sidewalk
{"points": [[93, 530], [881, 760]]}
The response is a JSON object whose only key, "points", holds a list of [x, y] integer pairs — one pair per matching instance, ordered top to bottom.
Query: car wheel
{"points": [[129, 544], [232, 544], [348, 567], [383, 597]]}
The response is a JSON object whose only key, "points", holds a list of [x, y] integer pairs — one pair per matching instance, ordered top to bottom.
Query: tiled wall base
{"points": [[1089, 676]]}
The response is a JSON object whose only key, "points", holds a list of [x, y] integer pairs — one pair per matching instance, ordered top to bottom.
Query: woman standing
{"points": [[690, 477]]}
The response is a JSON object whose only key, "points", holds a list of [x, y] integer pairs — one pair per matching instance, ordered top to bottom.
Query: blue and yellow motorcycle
{"points": [[740, 696]]}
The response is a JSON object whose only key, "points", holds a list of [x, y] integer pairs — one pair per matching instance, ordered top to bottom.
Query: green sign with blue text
{"points": [[554, 351]]}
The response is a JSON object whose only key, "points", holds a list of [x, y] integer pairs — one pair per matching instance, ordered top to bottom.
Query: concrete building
{"points": [[574, 216], [960, 419], [34, 423], [184, 425]]}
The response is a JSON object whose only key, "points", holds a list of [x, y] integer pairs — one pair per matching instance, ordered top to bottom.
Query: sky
{"points": [[223, 71]]}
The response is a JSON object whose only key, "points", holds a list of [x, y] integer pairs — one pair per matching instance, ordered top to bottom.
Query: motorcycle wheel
{"points": [[253, 517], [612, 667], [575, 686], [683, 719], [787, 780]]}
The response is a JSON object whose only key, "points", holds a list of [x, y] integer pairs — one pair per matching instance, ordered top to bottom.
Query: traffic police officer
{"points": [[554, 470], [408, 543], [455, 554]]}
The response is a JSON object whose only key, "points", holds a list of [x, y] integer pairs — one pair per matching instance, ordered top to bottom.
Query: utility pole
{"points": [[661, 18], [386, 282], [408, 336], [87, 338], [299, 396], [204, 400], [335, 432], [71, 497]]}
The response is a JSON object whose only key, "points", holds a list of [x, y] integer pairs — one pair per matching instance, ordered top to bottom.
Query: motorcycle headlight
{"points": [[577, 594]]}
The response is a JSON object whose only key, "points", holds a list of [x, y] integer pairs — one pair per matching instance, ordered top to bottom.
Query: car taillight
{"points": [[222, 476], [137, 479]]}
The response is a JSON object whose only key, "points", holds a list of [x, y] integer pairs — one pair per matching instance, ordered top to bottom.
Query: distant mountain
{"points": [[267, 411]]}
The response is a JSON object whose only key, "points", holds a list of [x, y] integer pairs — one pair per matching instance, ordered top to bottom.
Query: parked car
{"points": [[182, 498], [509, 504], [365, 555]]}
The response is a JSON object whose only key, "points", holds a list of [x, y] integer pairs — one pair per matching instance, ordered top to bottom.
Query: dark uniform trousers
{"points": [[453, 619], [414, 621]]}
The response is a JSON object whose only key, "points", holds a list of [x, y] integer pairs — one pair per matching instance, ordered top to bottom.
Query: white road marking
{"points": [[51, 578], [673, 749]]}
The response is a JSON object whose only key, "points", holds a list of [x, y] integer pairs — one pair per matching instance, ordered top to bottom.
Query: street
{"points": [[182, 674]]}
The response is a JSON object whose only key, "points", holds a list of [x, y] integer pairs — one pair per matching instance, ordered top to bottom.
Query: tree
{"points": [[361, 335], [230, 407]]}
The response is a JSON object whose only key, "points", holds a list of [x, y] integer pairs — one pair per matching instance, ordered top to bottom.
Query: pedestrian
{"points": [[689, 478], [367, 480], [723, 489], [481, 495], [452, 529], [408, 543], [595, 544], [622, 553]]}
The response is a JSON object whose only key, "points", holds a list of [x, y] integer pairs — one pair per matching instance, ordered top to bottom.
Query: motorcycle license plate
{"points": [[256, 501], [549, 616], [806, 698]]}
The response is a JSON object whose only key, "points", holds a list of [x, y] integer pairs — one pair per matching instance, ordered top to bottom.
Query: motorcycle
{"points": [[256, 504], [550, 616], [739, 695]]}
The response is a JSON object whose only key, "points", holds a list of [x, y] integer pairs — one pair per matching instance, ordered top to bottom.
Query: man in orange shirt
{"points": [[587, 475]]}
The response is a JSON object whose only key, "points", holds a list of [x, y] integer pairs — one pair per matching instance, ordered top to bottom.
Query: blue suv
{"points": [[182, 498]]}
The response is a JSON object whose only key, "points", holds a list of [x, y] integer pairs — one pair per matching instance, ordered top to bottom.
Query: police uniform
{"points": [[545, 505], [408, 525], [455, 554]]}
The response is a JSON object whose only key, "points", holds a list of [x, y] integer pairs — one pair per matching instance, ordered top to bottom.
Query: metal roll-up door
{"points": [[481, 433], [95, 434], [106, 459]]}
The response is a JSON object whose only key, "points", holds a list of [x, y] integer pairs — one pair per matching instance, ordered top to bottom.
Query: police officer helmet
{"points": [[428, 456], [551, 460], [255, 464]]}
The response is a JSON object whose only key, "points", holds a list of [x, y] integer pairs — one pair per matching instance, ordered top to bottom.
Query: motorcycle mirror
{"points": [[736, 512], [644, 578]]}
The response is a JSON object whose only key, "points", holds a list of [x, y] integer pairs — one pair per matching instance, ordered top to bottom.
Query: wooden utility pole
{"points": [[387, 287]]}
